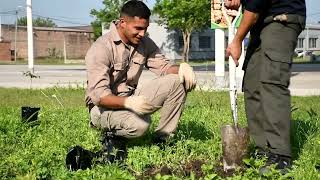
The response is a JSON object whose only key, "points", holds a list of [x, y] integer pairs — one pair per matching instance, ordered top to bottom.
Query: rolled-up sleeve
{"points": [[156, 60], [98, 68]]}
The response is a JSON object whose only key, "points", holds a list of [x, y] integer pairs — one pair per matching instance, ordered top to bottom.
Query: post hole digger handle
{"points": [[232, 65]]}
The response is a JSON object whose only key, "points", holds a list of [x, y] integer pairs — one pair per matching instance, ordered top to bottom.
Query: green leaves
{"points": [[110, 12], [184, 14], [38, 22]]}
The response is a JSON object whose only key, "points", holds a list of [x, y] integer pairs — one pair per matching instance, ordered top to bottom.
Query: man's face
{"points": [[133, 29]]}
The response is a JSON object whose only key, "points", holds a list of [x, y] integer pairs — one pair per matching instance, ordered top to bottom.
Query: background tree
{"points": [[110, 12], [184, 15], [39, 22]]}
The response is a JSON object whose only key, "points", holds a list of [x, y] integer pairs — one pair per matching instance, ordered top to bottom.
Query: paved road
{"points": [[295, 68], [305, 78]]}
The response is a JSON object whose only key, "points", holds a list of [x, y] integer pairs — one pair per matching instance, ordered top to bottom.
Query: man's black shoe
{"points": [[161, 139], [114, 148], [79, 158], [282, 164]]}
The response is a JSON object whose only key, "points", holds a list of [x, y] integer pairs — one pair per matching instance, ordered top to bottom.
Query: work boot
{"points": [[162, 139], [114, 148], [282, 164]]}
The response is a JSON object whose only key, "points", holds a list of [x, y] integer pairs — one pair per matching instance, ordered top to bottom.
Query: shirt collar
{"points": [[115, 35]]}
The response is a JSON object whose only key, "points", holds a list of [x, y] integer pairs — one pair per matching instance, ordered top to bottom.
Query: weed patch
{"points": [[39, 151]]}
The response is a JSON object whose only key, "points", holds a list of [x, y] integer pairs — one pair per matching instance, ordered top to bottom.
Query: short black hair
{"points": [[134, 8]]}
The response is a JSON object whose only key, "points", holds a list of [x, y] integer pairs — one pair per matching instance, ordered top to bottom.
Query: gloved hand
{"points": [[187, 76], [138, 104]]}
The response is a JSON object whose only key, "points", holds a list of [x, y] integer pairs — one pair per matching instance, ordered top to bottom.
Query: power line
{"points": [[59, 19]]}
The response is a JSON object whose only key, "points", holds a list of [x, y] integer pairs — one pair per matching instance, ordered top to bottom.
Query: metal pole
{"points": [[0, 29], [30, 36], [15, 38], [64, 50]]}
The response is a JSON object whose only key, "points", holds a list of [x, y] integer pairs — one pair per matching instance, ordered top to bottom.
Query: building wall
{"points": [[313, 32], [169, 41], [49, 43], [5, 54]]}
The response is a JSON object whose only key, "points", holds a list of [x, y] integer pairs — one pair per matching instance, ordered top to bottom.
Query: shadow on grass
{"points": [[188, 130], [193, 130], [301, 130]]}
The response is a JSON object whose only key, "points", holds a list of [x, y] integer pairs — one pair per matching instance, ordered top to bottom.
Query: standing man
{"points": [[274, 28], [114, 64]]}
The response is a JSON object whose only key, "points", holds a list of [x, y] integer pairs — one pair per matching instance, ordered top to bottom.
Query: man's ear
{"points": [[122, 22]]}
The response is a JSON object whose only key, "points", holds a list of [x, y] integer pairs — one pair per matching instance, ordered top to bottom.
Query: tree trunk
{"points": [[186, 45]]}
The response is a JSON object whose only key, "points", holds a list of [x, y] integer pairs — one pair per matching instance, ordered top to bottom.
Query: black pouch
{"points": [[29, 114], [79, 158]]}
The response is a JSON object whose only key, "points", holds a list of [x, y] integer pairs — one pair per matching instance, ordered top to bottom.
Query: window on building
{"points": [[204, 42], [312, 42], [300, 43]]}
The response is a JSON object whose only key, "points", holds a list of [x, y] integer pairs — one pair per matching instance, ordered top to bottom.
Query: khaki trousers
{"points": [[166, 93]]}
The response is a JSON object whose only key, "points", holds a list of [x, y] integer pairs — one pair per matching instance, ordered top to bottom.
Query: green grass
{"points": [[301, 60], [40, 61], [197, 62], [38, 152]]}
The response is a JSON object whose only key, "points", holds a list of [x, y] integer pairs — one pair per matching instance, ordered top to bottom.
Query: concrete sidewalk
{"points": [[302, 83]]}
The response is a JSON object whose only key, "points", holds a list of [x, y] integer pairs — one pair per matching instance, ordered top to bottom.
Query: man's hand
{"points": [[232, 4], [234, 50], [187, 76], [138, 104]]}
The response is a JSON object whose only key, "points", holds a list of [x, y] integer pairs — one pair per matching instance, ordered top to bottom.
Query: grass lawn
{"points": [[42, 61], [38, 152]]}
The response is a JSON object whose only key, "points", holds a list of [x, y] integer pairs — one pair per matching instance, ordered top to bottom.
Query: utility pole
{"points": [[1, 29], [30, 36], [15, 37], [307, 43], [64, 50]]}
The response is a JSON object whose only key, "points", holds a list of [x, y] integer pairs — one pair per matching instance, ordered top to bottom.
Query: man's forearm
{"points": [[248, 20], [174, 69], [112, 102]]}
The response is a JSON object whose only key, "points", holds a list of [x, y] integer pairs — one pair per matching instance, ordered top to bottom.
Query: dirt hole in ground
{"points": [[185, 170]]}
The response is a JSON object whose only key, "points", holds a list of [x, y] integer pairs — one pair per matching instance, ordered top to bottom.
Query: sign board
{"points": [[218, 16]]}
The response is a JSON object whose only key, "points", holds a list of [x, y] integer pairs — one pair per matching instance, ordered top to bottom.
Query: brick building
{"points": [[48, 41]]}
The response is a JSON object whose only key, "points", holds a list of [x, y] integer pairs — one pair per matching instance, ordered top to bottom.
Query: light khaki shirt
{"points": [[114, 67]]}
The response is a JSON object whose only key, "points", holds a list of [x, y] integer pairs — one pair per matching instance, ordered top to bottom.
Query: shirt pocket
{"points": [[135, 70], [119, 71]]}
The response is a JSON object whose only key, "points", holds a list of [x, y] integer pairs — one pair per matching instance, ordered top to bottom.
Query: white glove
{"points": [[187, 76], [138, 104]]}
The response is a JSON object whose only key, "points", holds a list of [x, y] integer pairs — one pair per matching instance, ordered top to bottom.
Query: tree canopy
{"points": [[110, 12], [184, 15], [39, 22]]}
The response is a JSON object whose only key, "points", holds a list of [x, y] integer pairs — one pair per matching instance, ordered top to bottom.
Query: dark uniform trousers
{"points": [[266, 80]]}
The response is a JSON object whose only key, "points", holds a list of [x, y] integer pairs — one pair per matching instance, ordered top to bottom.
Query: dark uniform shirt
{"points": [[275, 7], [266, 8]]}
